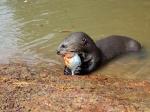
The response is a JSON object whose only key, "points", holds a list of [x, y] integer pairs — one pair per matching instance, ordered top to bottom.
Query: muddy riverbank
{"points": [[32, 89]]}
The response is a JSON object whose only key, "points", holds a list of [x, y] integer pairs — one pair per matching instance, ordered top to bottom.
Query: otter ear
{"points": [[84, 41]]}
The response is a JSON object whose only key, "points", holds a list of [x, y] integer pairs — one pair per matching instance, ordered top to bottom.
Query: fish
{"points": [[72, 61]]}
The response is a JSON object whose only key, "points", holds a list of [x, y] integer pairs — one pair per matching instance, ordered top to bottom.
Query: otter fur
{"points": [[94, 54]]}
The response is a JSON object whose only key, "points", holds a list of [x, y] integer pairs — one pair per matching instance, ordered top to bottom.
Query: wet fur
{"points": [[92, 53]]}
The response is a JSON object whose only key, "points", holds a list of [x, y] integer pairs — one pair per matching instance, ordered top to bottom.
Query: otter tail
{"points": [[133, 46]]}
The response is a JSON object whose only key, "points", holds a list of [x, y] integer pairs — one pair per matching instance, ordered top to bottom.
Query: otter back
{"points": [[115, 45]]}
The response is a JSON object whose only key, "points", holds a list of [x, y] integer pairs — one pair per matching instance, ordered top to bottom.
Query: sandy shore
{"points": [[43, 89]]}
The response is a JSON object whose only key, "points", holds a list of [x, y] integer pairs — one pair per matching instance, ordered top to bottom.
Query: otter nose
{"points": [[58, 52]]}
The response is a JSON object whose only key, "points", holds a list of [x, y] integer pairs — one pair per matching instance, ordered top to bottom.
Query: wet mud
{"points": [[26, 88]]}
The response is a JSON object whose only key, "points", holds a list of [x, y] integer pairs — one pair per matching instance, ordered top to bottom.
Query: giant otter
{"points": [[92, 53]]}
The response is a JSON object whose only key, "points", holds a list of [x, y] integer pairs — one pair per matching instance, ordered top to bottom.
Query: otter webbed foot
{"points": [[67, 71], [77, 71]]}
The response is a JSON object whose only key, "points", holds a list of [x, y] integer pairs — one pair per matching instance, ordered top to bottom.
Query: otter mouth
{"points": [[63, 54], [68, 54]]}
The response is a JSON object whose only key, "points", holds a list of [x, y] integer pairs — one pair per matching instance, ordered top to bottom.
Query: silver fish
{"points": [[74, 63]]}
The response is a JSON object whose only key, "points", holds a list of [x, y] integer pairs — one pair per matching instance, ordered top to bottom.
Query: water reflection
{"points": [[33, 29], [9, 33]]}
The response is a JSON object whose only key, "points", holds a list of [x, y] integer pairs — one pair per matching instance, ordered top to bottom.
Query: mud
{"points": [[45, 89]]}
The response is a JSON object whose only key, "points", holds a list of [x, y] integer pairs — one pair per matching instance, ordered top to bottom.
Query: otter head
{"points": [[76, 42]]}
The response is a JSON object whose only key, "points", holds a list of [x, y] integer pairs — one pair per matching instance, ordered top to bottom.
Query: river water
{"points": [[32, 29]]}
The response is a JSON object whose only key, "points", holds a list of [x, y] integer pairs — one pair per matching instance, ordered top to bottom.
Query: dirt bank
{"points": [[44, 89]]}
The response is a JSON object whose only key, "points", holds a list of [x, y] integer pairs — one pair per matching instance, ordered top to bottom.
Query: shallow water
{"points": [[33, 29]]}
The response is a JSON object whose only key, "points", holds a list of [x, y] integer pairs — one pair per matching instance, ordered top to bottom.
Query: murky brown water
{"points": [[33, 29]]}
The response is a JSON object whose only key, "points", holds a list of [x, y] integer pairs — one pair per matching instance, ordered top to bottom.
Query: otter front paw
{"points": [[67, 71], [77, 71]]}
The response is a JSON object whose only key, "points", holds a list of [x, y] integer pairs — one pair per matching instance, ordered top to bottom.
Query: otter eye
{"points": [[63, 46]]}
